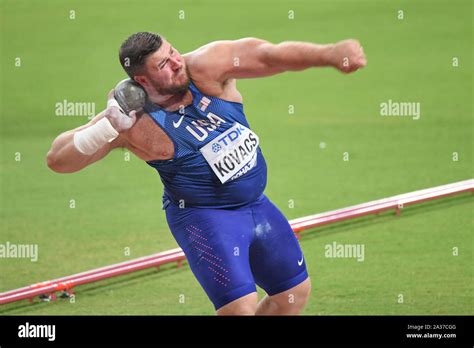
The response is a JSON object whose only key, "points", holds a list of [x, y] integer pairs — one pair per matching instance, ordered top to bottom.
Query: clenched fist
{"points": [[347, 56], [119, 120]]}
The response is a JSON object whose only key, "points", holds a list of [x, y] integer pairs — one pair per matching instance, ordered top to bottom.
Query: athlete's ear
{"points": [[142, 80]]}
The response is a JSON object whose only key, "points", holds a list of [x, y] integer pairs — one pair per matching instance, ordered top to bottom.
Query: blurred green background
{"points": [[118, 202]]}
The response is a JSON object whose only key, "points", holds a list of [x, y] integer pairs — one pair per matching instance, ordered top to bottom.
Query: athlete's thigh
{"points": [[216, 243], [276, 258]]}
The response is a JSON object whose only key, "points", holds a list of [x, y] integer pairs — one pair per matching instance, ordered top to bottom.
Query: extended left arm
{"points": [[251, 57]]}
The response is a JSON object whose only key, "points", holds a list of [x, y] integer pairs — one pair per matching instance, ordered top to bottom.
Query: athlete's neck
{"points": [[172, 102]]}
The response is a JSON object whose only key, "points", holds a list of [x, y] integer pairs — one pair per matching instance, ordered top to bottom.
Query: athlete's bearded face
{"points": [[166, 71]]}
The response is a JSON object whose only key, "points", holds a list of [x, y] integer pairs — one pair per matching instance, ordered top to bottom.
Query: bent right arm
{"points": [[63, 157]]}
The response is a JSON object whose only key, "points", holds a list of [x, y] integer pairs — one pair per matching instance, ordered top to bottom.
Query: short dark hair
{"points": [[136, 48]]}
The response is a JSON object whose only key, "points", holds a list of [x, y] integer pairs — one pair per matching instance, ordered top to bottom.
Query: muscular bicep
{"points": [[244, 58]]}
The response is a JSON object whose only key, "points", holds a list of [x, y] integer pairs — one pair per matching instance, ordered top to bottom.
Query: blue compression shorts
{"points": [[231, 250]]}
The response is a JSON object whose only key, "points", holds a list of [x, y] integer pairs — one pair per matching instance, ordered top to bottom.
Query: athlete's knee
{"points": [[296, 297], [246, 305], [241, 310]]}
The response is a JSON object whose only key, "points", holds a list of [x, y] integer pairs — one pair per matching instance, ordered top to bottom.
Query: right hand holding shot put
{"points": [[124, 102], [116, 115]]}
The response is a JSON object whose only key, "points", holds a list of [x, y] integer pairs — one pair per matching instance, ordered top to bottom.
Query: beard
{"points": [[176, 87]]}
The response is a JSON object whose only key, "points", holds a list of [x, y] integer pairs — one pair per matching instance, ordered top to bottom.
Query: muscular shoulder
{"points": [[218, 58], [209, 60], [209, 64]]}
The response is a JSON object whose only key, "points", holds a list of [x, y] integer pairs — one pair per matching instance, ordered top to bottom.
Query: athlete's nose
{"points": [[175, 63]]}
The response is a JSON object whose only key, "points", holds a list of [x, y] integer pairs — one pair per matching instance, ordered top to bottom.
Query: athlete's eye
{"points": [[162, 65]]}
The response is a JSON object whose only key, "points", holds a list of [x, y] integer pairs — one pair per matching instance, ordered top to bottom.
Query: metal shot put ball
{"points": [[130, 95]]}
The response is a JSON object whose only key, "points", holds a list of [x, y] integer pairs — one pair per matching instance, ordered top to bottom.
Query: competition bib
{"points": [[233, 153]]}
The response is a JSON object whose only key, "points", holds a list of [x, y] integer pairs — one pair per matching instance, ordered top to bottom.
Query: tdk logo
{"points": [[233, 135]]}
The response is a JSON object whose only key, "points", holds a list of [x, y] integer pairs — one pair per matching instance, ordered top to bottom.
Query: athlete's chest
{"points": [[155, 133], [148, 141]]}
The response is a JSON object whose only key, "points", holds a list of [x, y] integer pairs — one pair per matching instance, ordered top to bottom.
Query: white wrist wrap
{"points": [[91, 139]]}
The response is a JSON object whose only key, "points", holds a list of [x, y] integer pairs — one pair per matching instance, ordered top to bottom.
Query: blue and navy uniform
{"points": [[231, 233]]}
